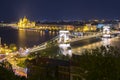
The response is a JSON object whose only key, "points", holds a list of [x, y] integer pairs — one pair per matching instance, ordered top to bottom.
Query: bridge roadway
{"points": [[43, 45], [22, 71]]}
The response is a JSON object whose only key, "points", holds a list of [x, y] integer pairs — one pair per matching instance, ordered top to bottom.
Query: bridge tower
{"points": [[106, 31], [64, 36], [64, 44]]}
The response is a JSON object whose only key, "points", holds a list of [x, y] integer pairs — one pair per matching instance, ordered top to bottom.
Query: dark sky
{"points": [[12, 10]]}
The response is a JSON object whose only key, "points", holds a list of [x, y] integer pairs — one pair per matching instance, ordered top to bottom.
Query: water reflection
{"points": [[21, 37], [25, 38], [31, 38], [104, 42], [65, 49]]}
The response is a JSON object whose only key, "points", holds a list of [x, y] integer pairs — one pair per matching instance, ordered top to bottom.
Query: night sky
{"points": [[12, 10]]}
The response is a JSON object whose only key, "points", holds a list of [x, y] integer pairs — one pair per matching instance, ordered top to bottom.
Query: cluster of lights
{"points": [[65, 48]]}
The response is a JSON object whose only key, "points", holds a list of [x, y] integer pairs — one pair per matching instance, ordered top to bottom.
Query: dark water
{"points": [[25, 38], [94, 44]]}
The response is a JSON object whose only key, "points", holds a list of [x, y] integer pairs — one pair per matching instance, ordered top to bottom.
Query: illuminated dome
{"points": [[25, 23]]}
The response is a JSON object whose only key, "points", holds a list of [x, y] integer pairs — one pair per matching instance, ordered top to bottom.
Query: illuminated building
{"points": [[25, 23], [100, 25], [68, 27], [89, 27], [86, 28], [93, 28]]}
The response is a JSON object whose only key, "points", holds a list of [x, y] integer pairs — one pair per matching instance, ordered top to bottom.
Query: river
{"points": [[25, 38], [29, 38], [92, 45]]}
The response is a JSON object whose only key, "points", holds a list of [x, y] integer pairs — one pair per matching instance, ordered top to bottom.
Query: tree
{"points": [[100, 63]]}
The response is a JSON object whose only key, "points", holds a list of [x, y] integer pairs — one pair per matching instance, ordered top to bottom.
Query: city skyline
{"points": [[12, 10]]}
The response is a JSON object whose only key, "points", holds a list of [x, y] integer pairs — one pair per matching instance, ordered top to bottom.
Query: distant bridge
{"points": [[5, 24]]}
